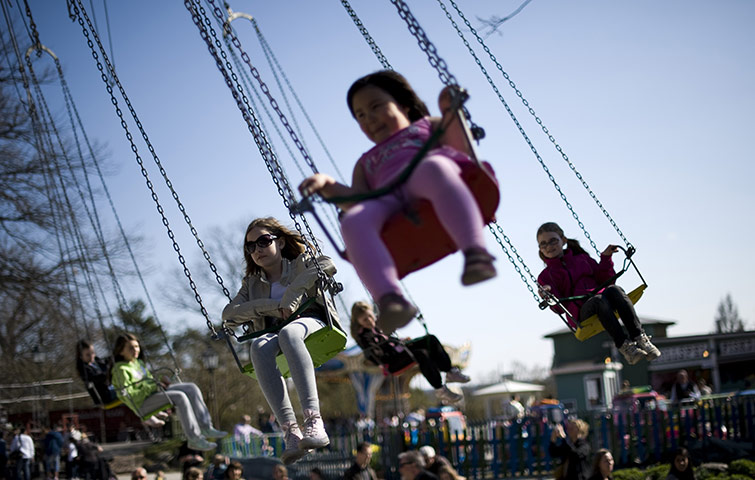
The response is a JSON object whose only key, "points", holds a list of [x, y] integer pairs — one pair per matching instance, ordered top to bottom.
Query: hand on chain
{"points": [[610, 250]]}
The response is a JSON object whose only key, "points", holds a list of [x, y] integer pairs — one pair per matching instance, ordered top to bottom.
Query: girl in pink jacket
{"points": [[570, 271]]}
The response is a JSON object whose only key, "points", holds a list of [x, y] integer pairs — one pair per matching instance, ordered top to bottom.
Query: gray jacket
{"points": [[299, 276]]}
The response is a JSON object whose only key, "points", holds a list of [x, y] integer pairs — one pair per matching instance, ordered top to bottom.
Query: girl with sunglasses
{"points": [[570, 271], [280, 277]]}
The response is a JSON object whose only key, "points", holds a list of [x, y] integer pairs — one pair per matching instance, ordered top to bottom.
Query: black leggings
{"points": [[604, 304], [431, 358]]}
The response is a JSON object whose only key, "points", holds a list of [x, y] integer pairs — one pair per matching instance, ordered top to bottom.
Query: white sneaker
{"points": [[651, 351], [632, 353], [456, 376], [447, 396], [162, 415], [153, 422], [314, 431], [213, 433], [292, 439], [201, 444]]}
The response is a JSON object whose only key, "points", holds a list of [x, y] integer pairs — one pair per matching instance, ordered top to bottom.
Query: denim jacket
{"points": [[299, 276]]}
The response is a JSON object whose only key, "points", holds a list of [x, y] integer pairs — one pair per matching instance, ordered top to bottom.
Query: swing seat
{"points": [[420, 240], [591, 326], [322, 345], [112, 405]]}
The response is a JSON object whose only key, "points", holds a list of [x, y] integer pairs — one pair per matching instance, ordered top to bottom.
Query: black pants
{"points": [[604, 304], [431, 358]]}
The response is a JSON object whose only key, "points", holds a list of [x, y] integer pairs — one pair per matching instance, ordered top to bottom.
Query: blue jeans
{"points": [[23, 471]]}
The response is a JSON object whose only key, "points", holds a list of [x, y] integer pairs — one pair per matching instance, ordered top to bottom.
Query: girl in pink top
{"points": [[391, 114]]}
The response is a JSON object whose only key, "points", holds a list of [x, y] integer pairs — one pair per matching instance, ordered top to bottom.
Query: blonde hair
{"points": [[357, 310], [583, 428]]}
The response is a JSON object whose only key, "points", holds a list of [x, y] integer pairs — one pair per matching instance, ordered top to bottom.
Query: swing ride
{"points": [[214, 24]]}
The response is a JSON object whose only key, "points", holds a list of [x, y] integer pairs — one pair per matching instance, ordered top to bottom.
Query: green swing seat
{"points": [[591, 326], [322, 345]]}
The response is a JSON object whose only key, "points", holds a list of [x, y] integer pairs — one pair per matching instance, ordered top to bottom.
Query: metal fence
{"points": [[491, 449]]}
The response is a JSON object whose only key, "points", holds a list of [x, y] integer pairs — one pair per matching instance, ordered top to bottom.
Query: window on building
{"points": [[594, 392]]}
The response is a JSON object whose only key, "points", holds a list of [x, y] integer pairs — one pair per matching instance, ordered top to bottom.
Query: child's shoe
{"points": [[478, 266], [395, 312], [651, 351], [632, 353], [456, 376], [448, 396], [153, 422], [314, 431], [212, 433], [292, 439], [201, 444]]}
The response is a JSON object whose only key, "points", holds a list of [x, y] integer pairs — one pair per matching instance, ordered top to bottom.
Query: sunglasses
{"points": [[263, 241], [550, 243]]}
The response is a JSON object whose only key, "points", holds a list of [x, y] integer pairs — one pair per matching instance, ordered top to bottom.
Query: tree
{"points": [[727, 317]]}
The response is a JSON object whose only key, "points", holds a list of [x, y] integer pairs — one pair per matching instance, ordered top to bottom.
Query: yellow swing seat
{"points": [[591, 326], [111, 405]]}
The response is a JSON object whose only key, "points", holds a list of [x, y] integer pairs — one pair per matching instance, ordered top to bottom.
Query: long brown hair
{"points": [[396, 86], [553, 227], [294, 244], [357, 310], [121, 342], [597, 459]]}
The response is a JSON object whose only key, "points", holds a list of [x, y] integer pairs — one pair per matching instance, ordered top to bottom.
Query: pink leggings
{"points": [[437, 178]]}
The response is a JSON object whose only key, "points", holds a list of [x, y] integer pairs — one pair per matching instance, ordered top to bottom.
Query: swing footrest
{"points": [[322, 345]]}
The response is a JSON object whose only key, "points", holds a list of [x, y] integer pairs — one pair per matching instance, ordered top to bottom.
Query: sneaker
{"points": [[478, 266], [395, 312], [651, 351], [632, 353], [456, 376], [447, 396], [162, 415], [153, 422], [314, 431], [212, 433], [292, 439], [201, 444]]}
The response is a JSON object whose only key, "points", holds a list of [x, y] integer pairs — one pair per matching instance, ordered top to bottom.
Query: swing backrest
{"points": [[420, 240], [591, 326], [322, 345]]}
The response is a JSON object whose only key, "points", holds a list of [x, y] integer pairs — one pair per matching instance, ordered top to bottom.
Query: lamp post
{"points": [[38, 356], [210, 361]]}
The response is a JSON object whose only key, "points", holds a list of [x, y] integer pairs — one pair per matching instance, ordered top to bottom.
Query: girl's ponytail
{"points": [[574, 246]]}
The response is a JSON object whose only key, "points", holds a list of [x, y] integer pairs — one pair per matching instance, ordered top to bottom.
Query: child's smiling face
{"points": [[378, 114], [551, 244]]}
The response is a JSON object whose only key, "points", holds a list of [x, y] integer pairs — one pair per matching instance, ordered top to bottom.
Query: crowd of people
{"points": [[59, 451]]}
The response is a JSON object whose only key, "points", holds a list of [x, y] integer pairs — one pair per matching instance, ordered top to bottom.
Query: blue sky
{"points": [[652, 102]]}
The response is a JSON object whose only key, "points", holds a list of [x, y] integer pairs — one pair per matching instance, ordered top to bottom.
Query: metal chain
{"points": [[81, 16], [34, 32], [370, 41], [271, 56], [440, 66], [75, 118], [538, 120], [157, 161], [284, 189], [511, 258]]}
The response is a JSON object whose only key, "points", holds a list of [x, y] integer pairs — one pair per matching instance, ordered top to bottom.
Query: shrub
{"points": [[742, 467], [657, 472], [629, 474]]}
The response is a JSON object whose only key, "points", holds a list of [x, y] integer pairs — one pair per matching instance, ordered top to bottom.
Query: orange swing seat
{"points": [[418, 240]]}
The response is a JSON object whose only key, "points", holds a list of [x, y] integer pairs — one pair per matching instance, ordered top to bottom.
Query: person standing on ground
{"points": [[243, 431], [23, 444], [53, 444], [572, 448], [433, 462], [602, 465], [411, 466], [360, 469], [139, 474]]}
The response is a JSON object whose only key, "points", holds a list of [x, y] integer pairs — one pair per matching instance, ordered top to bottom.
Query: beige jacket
{"points": [[299, 276]]}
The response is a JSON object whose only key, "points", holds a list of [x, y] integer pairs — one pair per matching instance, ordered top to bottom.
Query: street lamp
{"points": [[38, 356], [210, 361]]}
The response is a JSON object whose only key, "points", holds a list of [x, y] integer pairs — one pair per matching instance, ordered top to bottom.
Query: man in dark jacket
{"points": [[360, 469]]}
